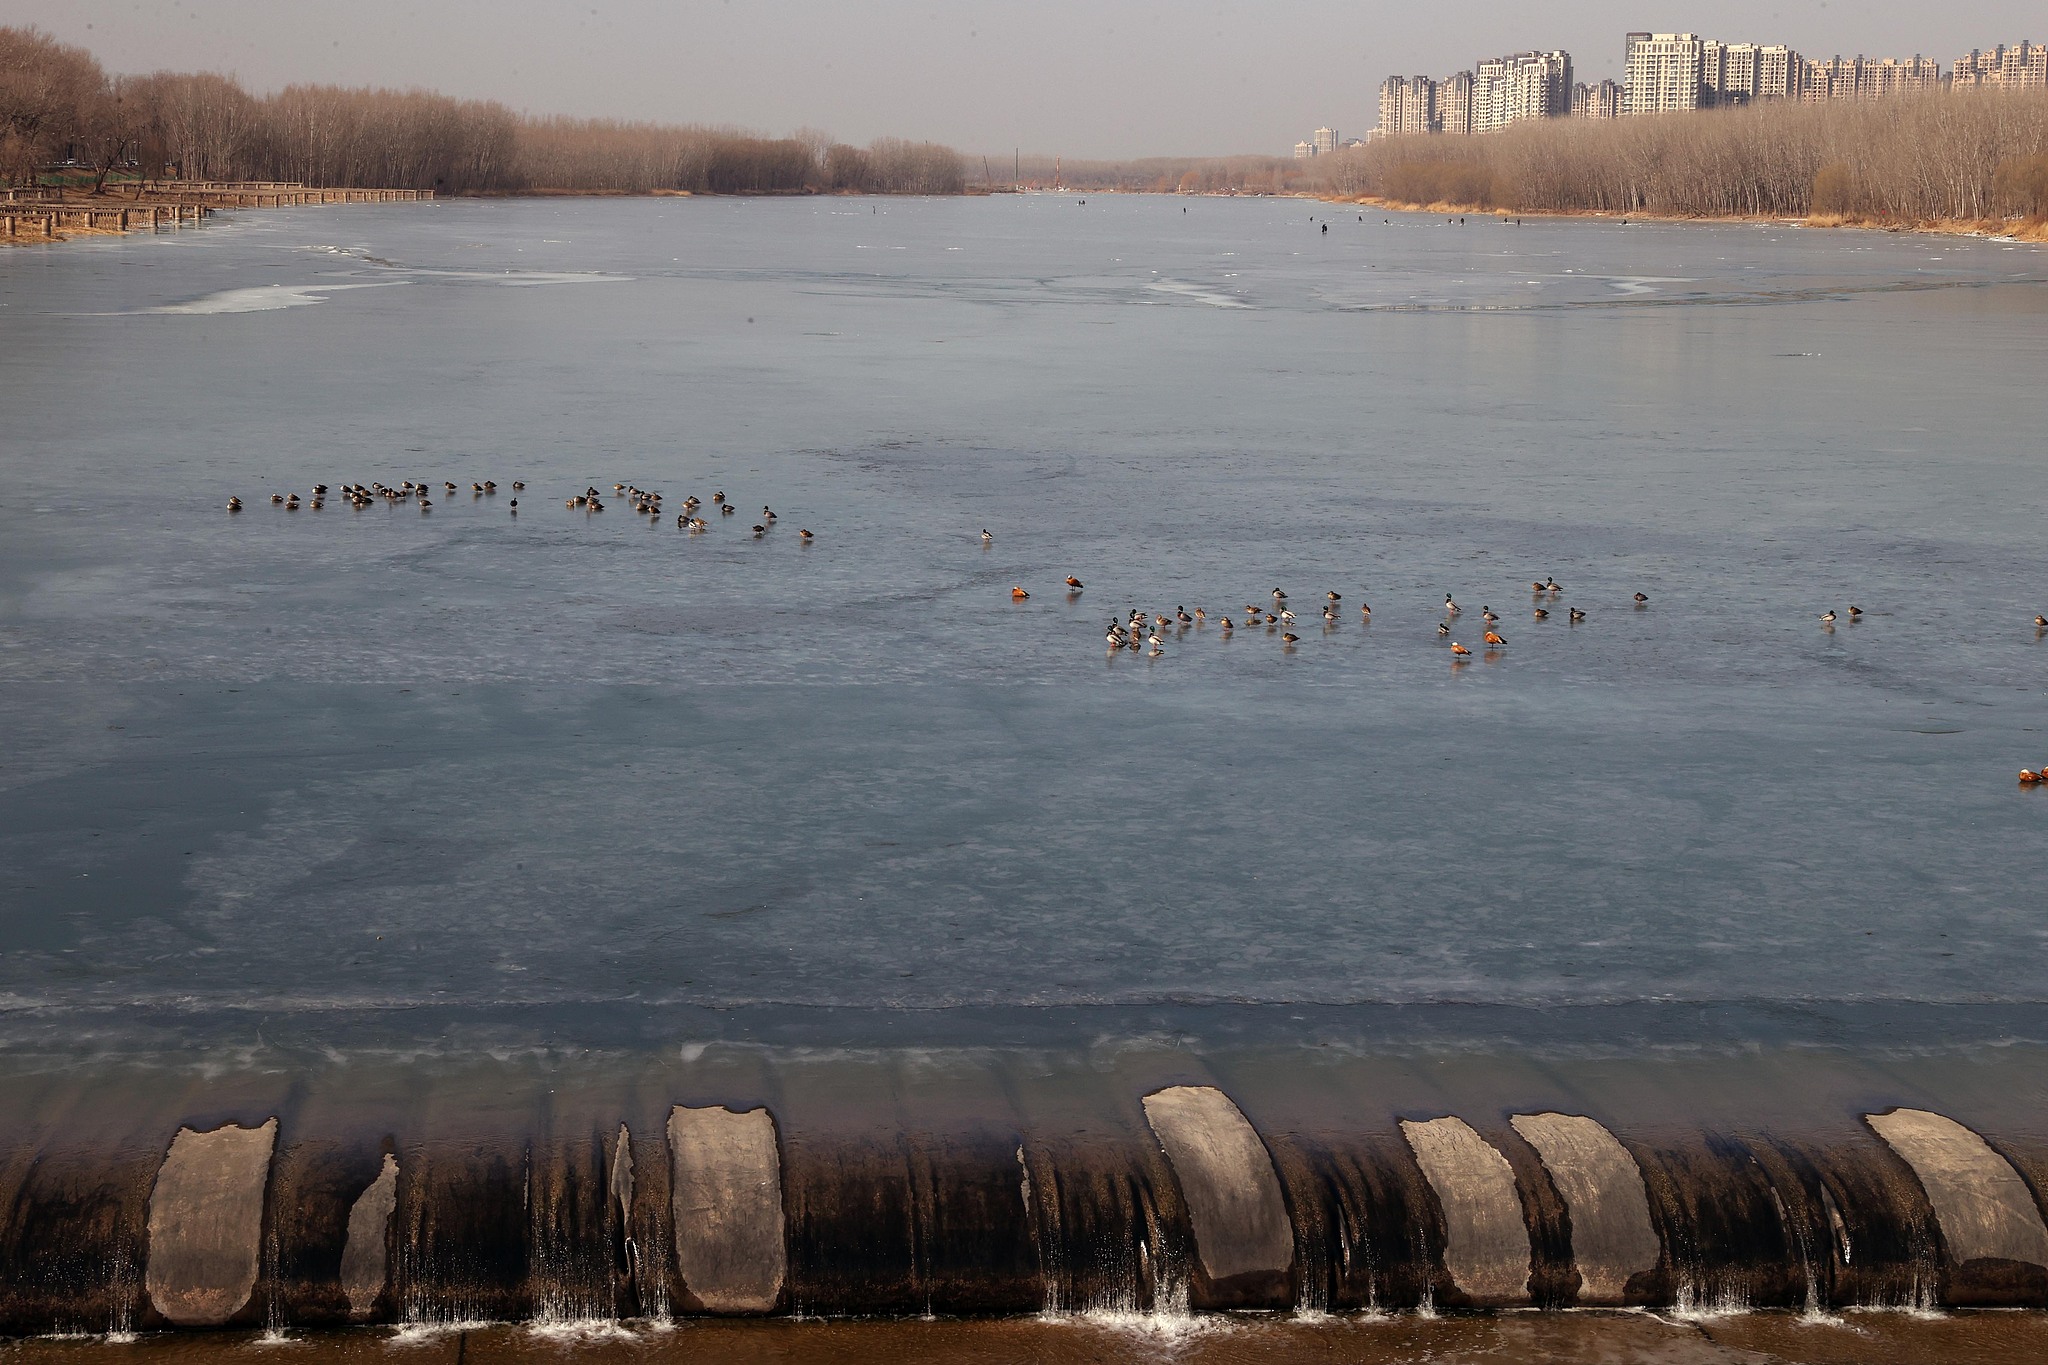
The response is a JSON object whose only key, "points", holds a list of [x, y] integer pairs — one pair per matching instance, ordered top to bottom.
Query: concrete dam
{"points": [[1145, 1179]]}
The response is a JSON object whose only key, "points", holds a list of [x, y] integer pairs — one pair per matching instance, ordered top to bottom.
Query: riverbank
{"points": [[2018, 230]]}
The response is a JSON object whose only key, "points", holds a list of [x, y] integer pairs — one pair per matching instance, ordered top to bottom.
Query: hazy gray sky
{"points": [[1083, 77]]}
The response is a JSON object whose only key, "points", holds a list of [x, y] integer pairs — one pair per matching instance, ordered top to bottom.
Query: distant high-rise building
{"points": [[2021, 67], [1665, 72], [1777, 72], [1730, 73], [1867, 78], [1525, 85], [1503, 90], [1597, 101], [1454, 103], [1407, 105], [1325, 140], [1304, 150]]}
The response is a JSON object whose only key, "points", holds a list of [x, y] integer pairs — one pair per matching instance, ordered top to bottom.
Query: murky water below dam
{"points": [[414, 914], [1525, 1339]]}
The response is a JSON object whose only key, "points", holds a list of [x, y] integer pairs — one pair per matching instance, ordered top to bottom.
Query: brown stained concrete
{"points": [[1225, 1173], [727, 1199], [1985, 1210], [206, 1223], [1612, 1238], [1486, 1241], [364, 1261]]}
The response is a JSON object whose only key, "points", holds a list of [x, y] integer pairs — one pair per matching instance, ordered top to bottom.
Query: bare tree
{"points": [[46, 88]]}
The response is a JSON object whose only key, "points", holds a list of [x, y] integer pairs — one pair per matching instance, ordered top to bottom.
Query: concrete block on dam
{"points": [[726, 1196], [1983, 1207], [206, 1223], [1241, 1227], [1612, 1236], [1486, 1240], [365, 1262]]}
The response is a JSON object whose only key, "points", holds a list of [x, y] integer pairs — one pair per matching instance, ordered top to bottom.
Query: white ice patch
{"points": [[1643, 284], [1214, 298], [262, 299]]}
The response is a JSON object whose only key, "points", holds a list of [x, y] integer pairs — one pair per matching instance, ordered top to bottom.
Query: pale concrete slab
{"points": [[1226, 1174], [622, 1176], [1602, 1187], [727, 1198], [1984, 1208], [206, 1223], [1486, 1240], [365, 1266]]}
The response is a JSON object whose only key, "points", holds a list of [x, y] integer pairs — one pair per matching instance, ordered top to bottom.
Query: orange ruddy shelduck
{"points": [[1073, 582], [1018, 594], [1494, 639], [1458, 650], [2028, 777]]}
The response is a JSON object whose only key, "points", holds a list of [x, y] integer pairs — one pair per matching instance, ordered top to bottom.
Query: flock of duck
{"points": [[363, 495], [645, 502], [1142, 630], [1139, 632]]}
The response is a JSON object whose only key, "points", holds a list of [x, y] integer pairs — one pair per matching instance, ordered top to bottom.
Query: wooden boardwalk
{"points": [[46, 215]]}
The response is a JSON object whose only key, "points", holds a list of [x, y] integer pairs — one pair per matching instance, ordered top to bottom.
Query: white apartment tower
{"points": [[2022, 67], [1665, 72], [1730, 73], [1777, 73], [1526, 85], [1597, 101], [1454, 103]]}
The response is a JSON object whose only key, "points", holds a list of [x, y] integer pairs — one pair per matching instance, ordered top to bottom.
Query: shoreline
{"points": [[1991, 229]]}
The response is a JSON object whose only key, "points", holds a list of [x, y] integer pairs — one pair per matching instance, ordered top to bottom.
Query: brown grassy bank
{"points": [[1971, 161], [2033, 229]]}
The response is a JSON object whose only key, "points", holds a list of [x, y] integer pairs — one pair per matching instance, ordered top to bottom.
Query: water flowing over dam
{"points": [[1135, 1177]]}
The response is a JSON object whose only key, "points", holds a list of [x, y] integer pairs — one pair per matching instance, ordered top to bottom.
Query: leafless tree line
{"points": [[58, 107], [1938, 156], [1159, 174]]}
